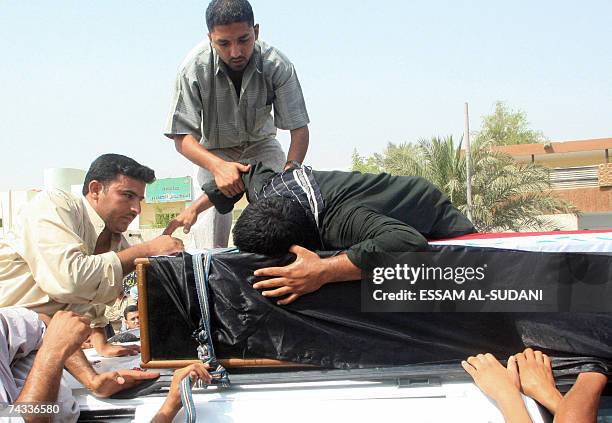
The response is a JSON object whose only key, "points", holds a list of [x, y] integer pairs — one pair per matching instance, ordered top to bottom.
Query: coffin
{"points": [[328, 329]]}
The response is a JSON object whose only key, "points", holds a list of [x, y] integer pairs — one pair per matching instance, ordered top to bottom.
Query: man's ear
{"points": [[256, 29], [209, 37], [95, 189]]}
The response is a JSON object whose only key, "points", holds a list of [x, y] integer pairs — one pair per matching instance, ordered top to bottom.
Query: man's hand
{"points": [[227, 174], [227, 177], [189, 216], [186, 219], [165, 245], [304, 275], [66, 332], [87, 344], [105, 349], [110, 350], [194, 372], [106, 384], [173, 404]]}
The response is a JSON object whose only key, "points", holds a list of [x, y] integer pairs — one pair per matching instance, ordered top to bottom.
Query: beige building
{"points": [[580, 172]]}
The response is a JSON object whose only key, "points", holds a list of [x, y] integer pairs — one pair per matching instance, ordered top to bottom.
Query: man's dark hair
{"points": [[225, 12], [107, 167], [272, 225], [129, 309]]}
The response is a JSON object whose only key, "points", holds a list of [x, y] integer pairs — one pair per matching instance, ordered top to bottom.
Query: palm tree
{"points": [[507, 195]]}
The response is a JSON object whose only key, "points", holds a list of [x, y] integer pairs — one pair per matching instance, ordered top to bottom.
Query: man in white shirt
{"points": [[67, 253]]}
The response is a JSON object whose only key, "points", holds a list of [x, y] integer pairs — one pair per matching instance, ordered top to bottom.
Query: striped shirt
{"points": [[206, 106], [262, 182], [297, 184]]}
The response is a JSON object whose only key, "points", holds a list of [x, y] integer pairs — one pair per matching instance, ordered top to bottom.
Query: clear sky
{"points": [[81, 78]]}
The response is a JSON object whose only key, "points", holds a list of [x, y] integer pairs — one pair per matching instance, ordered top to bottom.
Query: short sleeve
{"points": [[289, 105], [185, 115]]}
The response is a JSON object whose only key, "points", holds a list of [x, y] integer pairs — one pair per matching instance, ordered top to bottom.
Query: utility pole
{"points": [[468, 162], [10, 210]]}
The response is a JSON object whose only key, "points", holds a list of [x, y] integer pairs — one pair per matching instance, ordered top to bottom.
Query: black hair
{"points": [[225, 12], [107, 167], [272, 225], [129, 309]]}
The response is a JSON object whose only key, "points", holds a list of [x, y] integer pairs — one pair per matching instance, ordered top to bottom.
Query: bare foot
{"points": [[513, 371], [490, 376], [537, 380]]}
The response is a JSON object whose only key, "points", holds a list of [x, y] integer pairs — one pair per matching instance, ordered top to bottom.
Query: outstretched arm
{"points": [[189, 216], [163, 245], [60, 264], [106, 349], [105, 384], [173, 404]]}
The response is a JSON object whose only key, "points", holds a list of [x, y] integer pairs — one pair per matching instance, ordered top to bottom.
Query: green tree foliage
{"points": [[507, 127], [366, 164], [507, 195]]}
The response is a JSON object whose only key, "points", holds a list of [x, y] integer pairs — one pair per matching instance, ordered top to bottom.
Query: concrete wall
{"points": [[62, 178], [588, 200], [10, 203], [595, 221], [561, 222], [564, 222]]}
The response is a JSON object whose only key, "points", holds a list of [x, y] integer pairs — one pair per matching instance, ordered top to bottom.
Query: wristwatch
{"points": [[294, 164]]}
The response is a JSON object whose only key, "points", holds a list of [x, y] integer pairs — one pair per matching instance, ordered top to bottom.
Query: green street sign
{"points": [[169, 190]]}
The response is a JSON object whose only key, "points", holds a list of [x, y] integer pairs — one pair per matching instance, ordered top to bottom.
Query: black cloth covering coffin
{"points": [[327, 328]]}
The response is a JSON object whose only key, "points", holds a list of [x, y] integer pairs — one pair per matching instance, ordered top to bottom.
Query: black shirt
{"points": [[236, 77], [367, 213]]}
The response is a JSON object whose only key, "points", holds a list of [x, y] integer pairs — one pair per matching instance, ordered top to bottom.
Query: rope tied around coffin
{"points": [[205, 349]]}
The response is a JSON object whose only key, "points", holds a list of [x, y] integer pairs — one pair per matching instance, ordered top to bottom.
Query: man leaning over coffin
{"points": [[300, 210], [68, 253]]}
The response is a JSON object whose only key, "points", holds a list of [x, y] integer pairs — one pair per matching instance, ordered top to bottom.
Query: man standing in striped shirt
{"points": [[221, 109]]}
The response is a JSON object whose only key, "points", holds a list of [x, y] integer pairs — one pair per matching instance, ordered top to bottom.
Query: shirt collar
{"points": [[254, 62], [94, 217], [99, 225]]}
